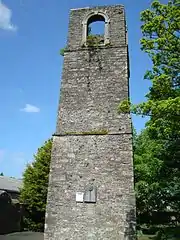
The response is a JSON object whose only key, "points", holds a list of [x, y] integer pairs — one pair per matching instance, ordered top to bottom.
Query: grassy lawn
{"points": [[23, 236], [39, 236], [146, 237]]}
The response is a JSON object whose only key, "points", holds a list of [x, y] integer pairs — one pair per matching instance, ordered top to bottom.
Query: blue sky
{"points": [[31, 34]]}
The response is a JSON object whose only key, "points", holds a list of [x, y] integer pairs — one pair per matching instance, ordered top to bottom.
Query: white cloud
{"points": [[5, 18], [30, 109]]}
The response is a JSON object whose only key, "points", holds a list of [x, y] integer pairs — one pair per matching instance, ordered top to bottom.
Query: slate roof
{"points": [[10, 184]]}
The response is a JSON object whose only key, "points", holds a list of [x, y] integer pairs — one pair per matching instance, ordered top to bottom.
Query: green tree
{"points": [[161, 31], [147, 166], [1, 174], [35, 185], [156, 203]]}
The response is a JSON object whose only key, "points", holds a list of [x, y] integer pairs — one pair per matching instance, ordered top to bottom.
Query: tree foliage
{"points": [[161, 31], [61, 52], [157, 149], [147, 167], [35, 185], [157, 196]]}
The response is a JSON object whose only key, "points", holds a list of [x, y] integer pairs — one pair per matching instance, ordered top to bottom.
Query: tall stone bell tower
{"points": [[91, 184]]}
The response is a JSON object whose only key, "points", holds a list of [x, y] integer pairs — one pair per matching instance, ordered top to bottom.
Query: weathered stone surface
{"points": [[117, 28], [94, 83], [93, 144]]}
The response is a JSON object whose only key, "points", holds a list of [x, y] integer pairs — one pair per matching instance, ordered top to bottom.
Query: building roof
{"points": [[10, 184]]}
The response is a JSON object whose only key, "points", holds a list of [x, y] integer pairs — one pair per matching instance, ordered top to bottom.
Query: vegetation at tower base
{"points": [[157, 170], [35, 185]]}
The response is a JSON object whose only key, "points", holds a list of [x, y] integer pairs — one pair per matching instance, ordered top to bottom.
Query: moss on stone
{"points": [[94, 40], [62, 51], [92, 132]]}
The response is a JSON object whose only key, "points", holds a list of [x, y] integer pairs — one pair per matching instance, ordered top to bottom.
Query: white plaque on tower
{"points": [[79, 197]]}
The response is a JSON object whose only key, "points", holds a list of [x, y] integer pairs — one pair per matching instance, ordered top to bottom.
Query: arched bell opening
{"points": [[95, 29]]}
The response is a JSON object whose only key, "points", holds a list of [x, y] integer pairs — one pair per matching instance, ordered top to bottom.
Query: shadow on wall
{"points": [[10, 217], [130, 231]]}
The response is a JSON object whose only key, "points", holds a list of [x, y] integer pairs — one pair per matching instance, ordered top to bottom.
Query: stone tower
{"points": [[91, 188]]}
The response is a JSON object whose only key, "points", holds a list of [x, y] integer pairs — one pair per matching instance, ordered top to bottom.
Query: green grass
{"points": [[168, 233], [23, 236], [39, 236], [146, 237]]}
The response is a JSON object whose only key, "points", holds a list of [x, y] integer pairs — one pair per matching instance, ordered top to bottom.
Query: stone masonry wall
{"points": [[117, 30], [94, 81]]}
